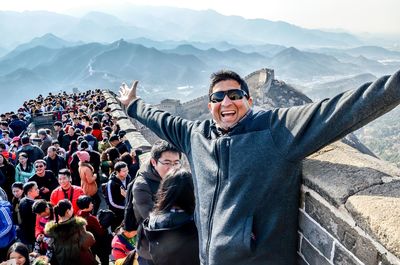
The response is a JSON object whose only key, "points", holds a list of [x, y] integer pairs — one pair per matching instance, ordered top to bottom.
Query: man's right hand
{"points": [[126, 94]]}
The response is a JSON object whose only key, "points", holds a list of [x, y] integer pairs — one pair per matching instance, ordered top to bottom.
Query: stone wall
{"points": [[350, 204], [350, 209]]}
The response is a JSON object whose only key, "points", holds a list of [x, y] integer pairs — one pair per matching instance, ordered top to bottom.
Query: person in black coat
{"points": [[45, 179], [116, 191], [170, 228], [26, 232]]}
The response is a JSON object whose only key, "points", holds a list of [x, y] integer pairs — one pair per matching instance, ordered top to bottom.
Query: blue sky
{"points": [[357, 16]]}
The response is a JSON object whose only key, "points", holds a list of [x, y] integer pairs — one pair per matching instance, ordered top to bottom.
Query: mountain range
{"points": [[163, 23], [172, 51], [50, 63]]}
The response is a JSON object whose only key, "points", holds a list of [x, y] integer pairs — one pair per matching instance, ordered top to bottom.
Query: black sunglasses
{"points": [[233, 94]]}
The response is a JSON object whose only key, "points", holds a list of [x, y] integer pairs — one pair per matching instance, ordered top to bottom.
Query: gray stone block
{"points": [[114, 106], [119, 114], [126, 125], [137, 140], [336, 182], [377, 211], [318, 237], [360, 246], [311, 255], [343, 257]]}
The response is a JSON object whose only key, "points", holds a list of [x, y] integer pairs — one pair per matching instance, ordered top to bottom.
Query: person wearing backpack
{"points": [[164, 157]]}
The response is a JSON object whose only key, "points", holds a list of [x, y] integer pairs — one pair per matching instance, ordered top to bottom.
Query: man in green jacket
{"points": [[246, 165]]}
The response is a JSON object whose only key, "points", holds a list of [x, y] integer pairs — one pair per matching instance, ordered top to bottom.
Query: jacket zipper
{"points": [[214, 203]]}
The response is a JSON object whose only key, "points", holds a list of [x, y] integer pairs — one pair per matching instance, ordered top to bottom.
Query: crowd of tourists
{"points": [[77, 194]]}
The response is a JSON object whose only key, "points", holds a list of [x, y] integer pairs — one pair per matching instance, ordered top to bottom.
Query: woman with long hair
{"points": [[73, 147], [108, 159], [24, 169], [7, 175], [18, 192], [170, 228], [71, 240], [18, 252]]}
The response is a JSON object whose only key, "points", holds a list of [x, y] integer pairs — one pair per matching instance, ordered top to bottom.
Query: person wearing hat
{"points": [[15, 144], [94, 161], [87, 174]]}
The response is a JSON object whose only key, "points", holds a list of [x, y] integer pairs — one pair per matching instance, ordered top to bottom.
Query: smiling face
{"points": [[228, 112], [64, 181], [17, 192], [19, 259]]}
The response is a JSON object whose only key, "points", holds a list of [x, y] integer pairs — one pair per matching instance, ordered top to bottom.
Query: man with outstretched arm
{"points": [[246, 165]]}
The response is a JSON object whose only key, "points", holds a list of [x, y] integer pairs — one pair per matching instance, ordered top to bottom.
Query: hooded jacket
{"points": [[88, 178], [247, 181], [71, 241]]}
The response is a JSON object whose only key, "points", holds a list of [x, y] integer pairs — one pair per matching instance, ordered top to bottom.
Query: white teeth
{"points": [[224, 113]]}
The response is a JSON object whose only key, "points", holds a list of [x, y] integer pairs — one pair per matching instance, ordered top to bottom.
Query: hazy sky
{"points": [[361, 16]]}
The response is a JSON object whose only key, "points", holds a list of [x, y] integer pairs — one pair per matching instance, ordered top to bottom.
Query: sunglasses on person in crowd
{"points": [[233, 94]]}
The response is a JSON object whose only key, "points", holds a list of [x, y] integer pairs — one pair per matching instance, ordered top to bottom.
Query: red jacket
{"points": [[58, 195]]}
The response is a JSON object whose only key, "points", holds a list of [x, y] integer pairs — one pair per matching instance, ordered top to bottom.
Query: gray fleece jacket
{"points": [[247, 181]]}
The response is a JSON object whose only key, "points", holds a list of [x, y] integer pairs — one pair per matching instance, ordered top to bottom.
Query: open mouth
{"points": [[228, 113]]}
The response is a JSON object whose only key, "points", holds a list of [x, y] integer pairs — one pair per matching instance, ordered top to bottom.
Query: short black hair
{"points": [[223, 75], [25, 139], [162, 146], [120, 165], [64, 171], [18, 185], [28, 186], [83, 202], [39, 206]]}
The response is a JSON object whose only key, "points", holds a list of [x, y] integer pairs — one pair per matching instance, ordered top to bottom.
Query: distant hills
{"points": [[164, 24], [172, 51], [50, 63]]}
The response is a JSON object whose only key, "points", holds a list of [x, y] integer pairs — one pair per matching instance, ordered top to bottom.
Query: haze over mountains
{"points": [[172, 52]]}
